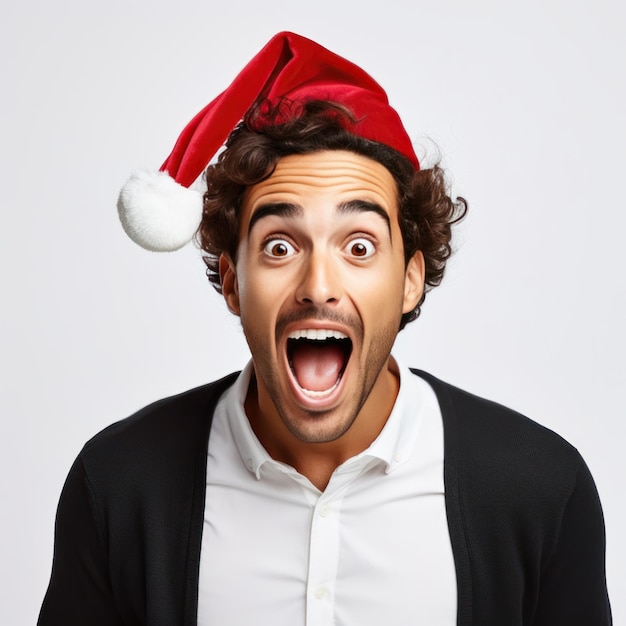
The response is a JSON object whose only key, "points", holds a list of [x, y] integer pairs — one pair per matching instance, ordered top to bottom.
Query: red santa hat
{"points": [[160, 212]]}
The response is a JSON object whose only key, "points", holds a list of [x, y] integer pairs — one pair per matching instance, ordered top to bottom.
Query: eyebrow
{"points": [[364, 206], [280, 209], [287, 209]]}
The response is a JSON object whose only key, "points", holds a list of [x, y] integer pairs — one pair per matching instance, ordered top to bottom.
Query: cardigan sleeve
{"points": [[573, 583], [79, 592]]}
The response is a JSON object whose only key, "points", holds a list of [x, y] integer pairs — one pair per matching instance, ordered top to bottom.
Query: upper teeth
{"points": [[317, 334]]}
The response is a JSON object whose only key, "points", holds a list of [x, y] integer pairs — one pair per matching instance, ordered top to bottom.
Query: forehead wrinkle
{"points": [[329, 167], [329, 175]]}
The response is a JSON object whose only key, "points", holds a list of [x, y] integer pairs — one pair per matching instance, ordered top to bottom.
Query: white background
{"points": [[526, 101]]}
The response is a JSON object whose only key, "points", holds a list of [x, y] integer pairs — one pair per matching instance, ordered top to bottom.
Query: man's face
{"points": [[320, 284]]}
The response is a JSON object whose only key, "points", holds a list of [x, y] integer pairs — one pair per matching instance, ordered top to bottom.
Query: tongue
{"points": [[317, 365]]}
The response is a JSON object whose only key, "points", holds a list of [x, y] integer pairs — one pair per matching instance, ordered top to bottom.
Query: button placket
{"points": [[325, 543], [323, 562]]}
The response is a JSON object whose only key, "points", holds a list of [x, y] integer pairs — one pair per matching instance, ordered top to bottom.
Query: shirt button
{"points": [[325, 511], [321, 592]]}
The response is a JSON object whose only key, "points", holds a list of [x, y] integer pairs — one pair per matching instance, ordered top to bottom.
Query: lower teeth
{"points": [[320, 394]]}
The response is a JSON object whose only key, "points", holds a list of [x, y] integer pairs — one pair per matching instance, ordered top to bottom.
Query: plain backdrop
{"points": [[525, 101]]}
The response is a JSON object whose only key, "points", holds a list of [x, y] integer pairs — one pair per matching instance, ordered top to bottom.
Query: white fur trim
{"points": [[157, 213]]}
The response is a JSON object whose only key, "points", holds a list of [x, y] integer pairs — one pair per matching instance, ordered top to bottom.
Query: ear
{"points": [[413, 281], [230, 286]]}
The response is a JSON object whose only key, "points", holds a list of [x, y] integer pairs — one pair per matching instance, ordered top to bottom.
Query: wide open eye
{"points": [[278, 248], [360, 248]]}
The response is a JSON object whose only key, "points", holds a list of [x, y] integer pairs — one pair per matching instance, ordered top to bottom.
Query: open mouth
{"points": [[318, 359]]}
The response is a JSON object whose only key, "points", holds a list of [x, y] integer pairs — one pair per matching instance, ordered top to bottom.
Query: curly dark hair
{"points": [[267, 133]]}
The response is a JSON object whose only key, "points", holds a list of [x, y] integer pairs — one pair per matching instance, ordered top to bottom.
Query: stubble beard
{"points": [[369, 370]]}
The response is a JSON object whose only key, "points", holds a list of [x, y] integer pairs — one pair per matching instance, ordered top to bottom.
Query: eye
{"points": [[278, 248], [360, 248]]}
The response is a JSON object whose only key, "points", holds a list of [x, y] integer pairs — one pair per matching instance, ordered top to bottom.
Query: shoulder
{"points": [[486, 422], [156, 437], [496, 445], [523, 513]]}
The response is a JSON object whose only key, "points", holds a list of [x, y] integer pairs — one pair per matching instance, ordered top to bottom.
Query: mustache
{"points": [[320, 314]]}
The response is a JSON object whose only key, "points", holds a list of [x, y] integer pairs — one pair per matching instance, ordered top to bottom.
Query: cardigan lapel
{"points": [[453, 496], [194, 544]]}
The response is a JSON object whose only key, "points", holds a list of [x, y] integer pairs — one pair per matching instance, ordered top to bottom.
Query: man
{"points": [[326, 483]]}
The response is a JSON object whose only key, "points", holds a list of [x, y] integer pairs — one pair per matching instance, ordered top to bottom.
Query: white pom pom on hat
{"points": [[159, 211]]}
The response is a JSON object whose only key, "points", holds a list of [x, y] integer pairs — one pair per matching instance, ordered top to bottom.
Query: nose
{"points": [[319, 282]]}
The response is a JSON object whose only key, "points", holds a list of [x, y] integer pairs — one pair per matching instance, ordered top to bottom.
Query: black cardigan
{"points": [[524, 518]]}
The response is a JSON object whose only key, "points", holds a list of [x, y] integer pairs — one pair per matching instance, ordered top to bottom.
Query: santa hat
{"points": [[160, 212]]}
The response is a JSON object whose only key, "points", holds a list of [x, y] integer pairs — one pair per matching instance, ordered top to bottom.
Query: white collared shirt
{"points": [[373, 548]]}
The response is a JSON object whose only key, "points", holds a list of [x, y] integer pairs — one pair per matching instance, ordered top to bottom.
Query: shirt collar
{"points": [[396, 441], [393, 446], [252, 452]]}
